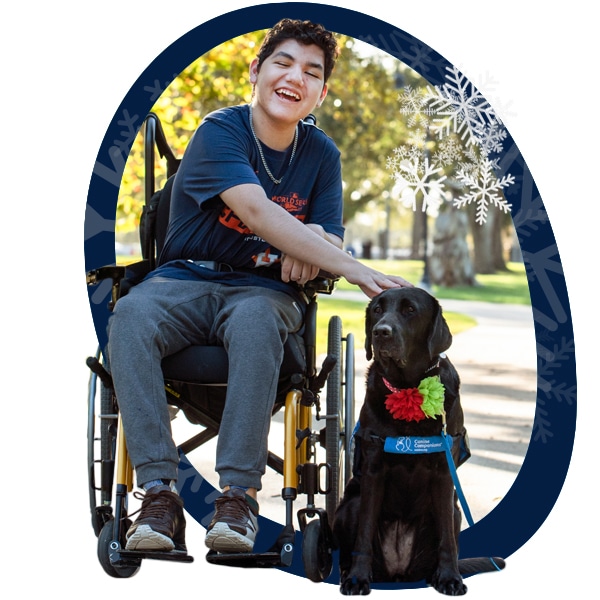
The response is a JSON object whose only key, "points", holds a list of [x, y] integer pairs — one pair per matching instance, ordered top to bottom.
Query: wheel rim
{"points": [[349, 415], [333, 439]]}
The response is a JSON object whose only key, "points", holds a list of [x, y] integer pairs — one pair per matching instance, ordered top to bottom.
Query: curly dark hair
{"points": [[304, 32]]}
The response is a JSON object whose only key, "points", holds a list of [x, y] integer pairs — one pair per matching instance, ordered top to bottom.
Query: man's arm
{"points": [[332, 239], [300, 242], [293, 269]]}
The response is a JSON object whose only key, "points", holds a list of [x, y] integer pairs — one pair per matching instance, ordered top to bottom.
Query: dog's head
{"points": [[405, 324]]}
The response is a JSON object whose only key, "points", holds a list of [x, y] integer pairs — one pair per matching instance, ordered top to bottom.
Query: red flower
{"points": [[406, 404]]}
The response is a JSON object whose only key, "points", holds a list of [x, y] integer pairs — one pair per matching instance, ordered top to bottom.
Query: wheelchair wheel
{"points": [[349, 414], [339, 428], [108, 435], [101, 449], [105, 539], [316, 552]]}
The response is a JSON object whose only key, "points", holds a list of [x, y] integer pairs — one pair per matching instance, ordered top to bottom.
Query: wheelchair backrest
{"points": [[155, 214], [154, 222]]}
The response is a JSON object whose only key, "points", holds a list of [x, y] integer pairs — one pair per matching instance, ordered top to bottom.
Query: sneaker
{"points": [[161, 524], [234, 525]]}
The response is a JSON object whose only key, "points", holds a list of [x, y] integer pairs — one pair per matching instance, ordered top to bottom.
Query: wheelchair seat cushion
{"points": [[206, 365]]}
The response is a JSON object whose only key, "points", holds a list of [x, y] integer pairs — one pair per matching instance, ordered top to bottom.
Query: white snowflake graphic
{"points": [[413, 103], [459, 108], [468, 134], [490, 138], [449, 151], [401, 153], [415, 177], [484, 190]]}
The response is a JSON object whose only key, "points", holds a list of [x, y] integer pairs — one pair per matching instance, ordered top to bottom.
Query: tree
{"points": [[218, 78], [361, 115], [454, 160], [450, 263]]}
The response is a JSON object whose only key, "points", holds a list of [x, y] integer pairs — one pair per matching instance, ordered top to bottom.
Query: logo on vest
{"points": [[413, 445]]}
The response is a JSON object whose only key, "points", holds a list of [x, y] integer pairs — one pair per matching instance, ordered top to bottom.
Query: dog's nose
{"points": [[382, 331]]}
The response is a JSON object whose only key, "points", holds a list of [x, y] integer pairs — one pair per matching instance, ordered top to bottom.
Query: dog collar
{"points": [[435, 365], [416, 404]]}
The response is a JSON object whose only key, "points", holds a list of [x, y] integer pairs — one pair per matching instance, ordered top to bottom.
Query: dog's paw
{"points": [[448, 583], [355, 586]]}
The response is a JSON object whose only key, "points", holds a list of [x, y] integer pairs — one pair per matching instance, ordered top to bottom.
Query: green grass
{"points": [[508, 287]]}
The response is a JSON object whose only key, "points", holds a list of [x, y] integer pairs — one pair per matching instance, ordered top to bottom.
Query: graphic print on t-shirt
{"points": [[292, 203]]}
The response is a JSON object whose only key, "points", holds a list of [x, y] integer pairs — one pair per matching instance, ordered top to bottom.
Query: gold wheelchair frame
{"points": [[110, 472]]}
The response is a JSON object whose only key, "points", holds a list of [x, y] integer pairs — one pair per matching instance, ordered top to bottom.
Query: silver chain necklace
{"points": [[262, 156]]}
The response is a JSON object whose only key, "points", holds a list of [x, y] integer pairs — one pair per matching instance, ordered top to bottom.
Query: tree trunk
{"points": [[418, 230], [487, 244], [499, 251], [450, 262]]}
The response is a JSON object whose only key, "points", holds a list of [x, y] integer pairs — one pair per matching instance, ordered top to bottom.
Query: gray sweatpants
{"points": [[161, 316]]}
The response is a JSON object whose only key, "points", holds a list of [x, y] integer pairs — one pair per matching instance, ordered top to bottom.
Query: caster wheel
{"points": [[105, 538], [316, 553]]}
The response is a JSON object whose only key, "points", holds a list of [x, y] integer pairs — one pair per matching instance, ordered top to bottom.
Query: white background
{"points": [[65, 69]]}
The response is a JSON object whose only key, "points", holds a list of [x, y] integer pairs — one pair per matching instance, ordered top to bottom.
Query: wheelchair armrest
{"points": [[114, 272], [123, 277], [324, 283]]}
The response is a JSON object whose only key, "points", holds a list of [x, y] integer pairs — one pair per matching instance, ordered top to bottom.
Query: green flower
{"points": [[432, 390]]}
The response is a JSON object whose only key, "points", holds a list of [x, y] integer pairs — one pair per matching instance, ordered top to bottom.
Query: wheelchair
{"points": [[195, 384]]}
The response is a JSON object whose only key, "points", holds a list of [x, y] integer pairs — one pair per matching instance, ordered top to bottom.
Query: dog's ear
{"points": [[440, 338], [368, 346]]}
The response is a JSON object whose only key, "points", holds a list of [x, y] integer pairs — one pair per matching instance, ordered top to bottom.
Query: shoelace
{"points": [[152, 506], [232, 507]]}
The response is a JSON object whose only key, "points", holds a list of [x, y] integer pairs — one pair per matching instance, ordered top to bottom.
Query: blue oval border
{"points": [[539, 482]]}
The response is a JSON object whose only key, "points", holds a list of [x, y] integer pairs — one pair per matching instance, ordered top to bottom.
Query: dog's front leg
{"points": [[358, 579], [447, 579]]}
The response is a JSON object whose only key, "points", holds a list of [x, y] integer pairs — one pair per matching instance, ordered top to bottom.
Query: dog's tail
{"points": [[472, 566]]}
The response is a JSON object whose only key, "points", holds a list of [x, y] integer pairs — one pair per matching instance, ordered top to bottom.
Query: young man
{"points": [[259, 193]]}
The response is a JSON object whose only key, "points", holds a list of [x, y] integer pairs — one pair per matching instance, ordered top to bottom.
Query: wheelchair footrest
{"points": [[173, 555], [246, 560]]}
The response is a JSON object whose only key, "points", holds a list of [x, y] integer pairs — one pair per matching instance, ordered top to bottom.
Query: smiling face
{"points": [[289, 83]]}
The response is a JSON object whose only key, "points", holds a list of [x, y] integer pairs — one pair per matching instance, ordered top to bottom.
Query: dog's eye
{"points": [[409, 309], [377, 310]]}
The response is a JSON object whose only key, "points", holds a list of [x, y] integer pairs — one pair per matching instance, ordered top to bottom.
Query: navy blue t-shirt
{"points": [[222, 154]]}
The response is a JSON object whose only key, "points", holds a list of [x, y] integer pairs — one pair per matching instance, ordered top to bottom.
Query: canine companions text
{"points": [[399, 518]]}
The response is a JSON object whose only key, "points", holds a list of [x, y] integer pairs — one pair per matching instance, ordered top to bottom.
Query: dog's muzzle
{"points": [[386, 344]]}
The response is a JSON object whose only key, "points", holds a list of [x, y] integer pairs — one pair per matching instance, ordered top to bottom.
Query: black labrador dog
{"points": [[399, 518]]}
